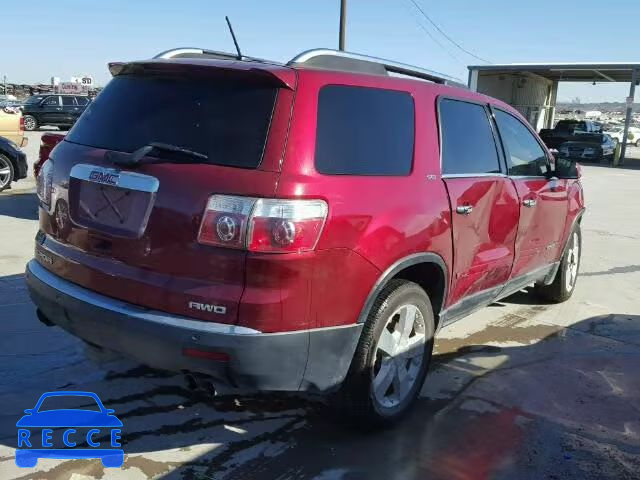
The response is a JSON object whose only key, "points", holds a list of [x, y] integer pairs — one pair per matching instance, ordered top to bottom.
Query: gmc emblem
{"points": [[104, 177]]}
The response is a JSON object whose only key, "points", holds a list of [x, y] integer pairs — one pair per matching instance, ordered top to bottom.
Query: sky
{"points": [[67, 38]]}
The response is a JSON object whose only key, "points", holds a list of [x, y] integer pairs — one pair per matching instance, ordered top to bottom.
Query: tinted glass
{"points": [[34, 99], [82, 100], [52, 101], [68, 102], [225, 119], [364, 131], [468, 146], [525, 156]]}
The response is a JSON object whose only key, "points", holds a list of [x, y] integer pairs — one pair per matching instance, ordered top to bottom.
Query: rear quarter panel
{"points": [[373, 221]]}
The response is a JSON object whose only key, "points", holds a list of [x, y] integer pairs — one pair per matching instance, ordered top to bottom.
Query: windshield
{"points": [[225, 120], [65, 402]]}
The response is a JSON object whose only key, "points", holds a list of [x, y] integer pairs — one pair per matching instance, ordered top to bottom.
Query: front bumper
{"points": [[314, 360]]}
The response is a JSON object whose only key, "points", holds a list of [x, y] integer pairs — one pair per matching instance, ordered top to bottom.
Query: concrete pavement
{"points": [[520, 390]]}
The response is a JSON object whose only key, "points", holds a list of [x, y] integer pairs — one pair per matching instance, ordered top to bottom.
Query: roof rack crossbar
{"points": [[341, 60]]}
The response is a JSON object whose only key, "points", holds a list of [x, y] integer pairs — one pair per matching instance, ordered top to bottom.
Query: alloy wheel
{"points": [[29, 123], [5, 173], [573, 258], [399, 356]]}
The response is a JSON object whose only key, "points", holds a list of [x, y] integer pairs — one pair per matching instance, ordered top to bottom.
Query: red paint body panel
{"points": [[47, 142], [372, 222], [540, 233], [484, 239]]}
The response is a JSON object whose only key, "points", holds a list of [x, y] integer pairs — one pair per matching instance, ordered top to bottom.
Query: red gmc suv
{"points": [[300, 227]]}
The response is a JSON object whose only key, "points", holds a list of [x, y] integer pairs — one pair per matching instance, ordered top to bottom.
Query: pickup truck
{"points": [[12, 126], [568, 131], [13, 161]]}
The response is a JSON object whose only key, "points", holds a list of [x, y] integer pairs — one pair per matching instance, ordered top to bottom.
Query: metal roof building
{"points": [[532, 88]]}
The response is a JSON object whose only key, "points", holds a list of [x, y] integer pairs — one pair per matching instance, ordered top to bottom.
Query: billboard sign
{"points": [[72, 87]]}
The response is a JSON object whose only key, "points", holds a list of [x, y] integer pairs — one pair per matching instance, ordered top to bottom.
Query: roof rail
{"points": [[191, 52], [194, 52], [326, 58]]}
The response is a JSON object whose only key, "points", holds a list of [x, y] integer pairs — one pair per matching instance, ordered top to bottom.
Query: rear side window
{"points": [[82, 100], [68, 101], [225, 119], [364, 131], [468, 146], [525, 156]]}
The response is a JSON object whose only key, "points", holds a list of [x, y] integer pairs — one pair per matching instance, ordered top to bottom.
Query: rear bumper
{"points": [[312, 360]]}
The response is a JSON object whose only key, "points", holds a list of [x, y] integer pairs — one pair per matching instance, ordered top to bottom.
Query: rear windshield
{"points": [[227, 120], [568, 125]]}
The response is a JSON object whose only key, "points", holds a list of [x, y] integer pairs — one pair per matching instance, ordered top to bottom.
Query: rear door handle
{"points": [[529, 202], [464, 209]]}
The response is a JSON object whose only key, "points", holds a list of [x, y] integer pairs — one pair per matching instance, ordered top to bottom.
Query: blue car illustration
{"points": [[101, 422]]}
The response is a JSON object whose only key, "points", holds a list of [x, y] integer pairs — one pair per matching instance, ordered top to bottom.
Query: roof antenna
{"points": [[233, 35]]}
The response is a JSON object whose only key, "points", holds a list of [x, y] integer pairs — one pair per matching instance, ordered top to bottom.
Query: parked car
{"points": [[53, 110], [12, 126], [567, 131], [618, 133], [48, 140], [592, 148], [13, 163], [303, 227]]}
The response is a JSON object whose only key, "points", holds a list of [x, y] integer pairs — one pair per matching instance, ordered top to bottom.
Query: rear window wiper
{"points": [[141, 155]]}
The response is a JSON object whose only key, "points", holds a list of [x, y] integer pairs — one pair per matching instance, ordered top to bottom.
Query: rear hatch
{"points": [[128, 227]]}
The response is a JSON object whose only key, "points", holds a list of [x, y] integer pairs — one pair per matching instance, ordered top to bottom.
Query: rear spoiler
{"points": [[278, 76]]}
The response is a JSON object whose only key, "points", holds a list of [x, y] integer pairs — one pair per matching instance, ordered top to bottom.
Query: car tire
{"points": [[30, 123], [638, 143], [7, 172], [564, 283], [387, 373]]}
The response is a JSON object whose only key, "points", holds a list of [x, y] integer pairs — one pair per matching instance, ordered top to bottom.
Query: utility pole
{"points": [[343, 23]]}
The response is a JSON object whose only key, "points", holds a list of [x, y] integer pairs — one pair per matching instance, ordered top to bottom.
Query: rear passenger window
{"points": [[52, 101], [68, 102], [364, 131], [468, 146], [525, 156]]}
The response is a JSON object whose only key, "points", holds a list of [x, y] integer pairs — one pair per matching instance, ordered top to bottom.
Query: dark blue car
{"points": [[68, 418]]}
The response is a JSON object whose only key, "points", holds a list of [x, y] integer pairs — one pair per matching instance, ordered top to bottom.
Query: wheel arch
{"points": [[577, 220], [427, 269]]}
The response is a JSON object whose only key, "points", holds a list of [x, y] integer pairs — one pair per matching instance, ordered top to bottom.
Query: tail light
{"points": [[21, 127], [44, 182], [262, 225]]}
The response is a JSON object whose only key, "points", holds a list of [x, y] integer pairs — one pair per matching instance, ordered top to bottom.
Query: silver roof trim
{"points": [[178, 51], [389, 65]]}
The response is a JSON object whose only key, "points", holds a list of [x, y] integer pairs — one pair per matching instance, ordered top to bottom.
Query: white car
{"points": [[634, 135]]}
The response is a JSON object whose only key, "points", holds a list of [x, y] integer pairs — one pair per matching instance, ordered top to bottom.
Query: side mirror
{"points": [[567, 168]]}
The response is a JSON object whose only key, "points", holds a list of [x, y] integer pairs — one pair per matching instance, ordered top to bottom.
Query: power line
{"points": [[424, 14], [433, 37]]}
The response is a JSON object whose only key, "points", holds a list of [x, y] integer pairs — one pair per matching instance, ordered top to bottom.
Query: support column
{"points": [[553, 98], [627, 121]]}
